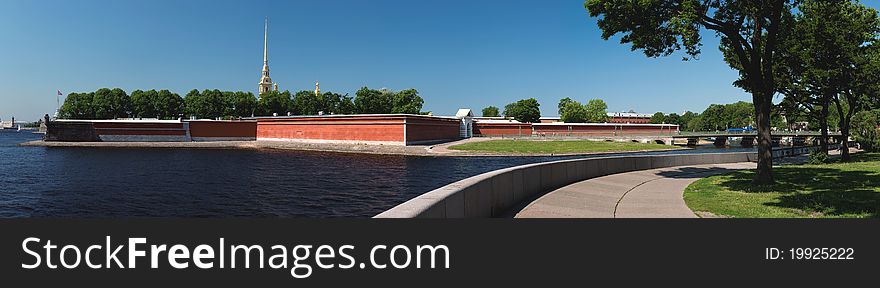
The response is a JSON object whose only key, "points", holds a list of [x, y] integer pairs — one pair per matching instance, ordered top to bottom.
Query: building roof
{"points": [[463, 112], [628, 115]]}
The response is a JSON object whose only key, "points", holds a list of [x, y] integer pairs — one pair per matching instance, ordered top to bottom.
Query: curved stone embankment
{"points": [[495, 193]]}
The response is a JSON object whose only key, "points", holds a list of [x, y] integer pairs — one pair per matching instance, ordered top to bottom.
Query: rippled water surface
{"points": [[112, 182]]}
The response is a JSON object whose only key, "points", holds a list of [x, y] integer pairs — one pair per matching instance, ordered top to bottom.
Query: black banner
{"points": [[497, 252]]}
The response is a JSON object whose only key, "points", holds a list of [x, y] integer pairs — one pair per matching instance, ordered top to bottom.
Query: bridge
{"points": [[798, 138]]}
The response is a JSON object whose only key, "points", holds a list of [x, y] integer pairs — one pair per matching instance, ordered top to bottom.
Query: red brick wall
{"points": [[632, 120], [363, 128], [241, 129], [431, 129], [502, 129]]}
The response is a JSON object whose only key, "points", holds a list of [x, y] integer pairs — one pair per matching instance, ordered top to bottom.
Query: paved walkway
{"points": [[655, 193]]}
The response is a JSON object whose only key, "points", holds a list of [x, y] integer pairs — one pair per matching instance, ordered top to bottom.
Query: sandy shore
{"points": [[413, 150]]}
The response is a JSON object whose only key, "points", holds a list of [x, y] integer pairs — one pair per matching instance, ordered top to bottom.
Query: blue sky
{"points": [[457, 53]]}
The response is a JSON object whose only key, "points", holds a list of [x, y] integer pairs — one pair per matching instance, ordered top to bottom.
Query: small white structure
{"points": [[466, 116]]}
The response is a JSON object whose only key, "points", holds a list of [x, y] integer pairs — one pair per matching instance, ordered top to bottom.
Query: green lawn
{"points": [[555, 146], [814, 191]]}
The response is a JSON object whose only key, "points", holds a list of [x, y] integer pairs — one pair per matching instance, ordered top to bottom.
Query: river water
{"points": [[137, 182]]}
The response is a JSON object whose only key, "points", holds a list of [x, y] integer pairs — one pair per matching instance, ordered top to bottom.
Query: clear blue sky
{"points": [[458, 53]]}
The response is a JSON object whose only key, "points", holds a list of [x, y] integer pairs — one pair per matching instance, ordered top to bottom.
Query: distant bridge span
{"points": [[753, 134], [748, 138]]}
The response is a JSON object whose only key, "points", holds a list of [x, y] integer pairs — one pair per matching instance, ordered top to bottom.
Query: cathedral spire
{"points": [[266, 44], [265, 80]]}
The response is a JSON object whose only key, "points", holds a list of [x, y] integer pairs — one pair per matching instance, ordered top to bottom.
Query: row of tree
{"points": [[818, 55], [108, 103], [570, 111], [716, 117]]}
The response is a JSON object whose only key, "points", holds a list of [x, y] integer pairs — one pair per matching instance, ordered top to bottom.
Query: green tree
{"points": [[749, 32], [831, 71], [369, 101], [274, 102], [406, 102], [111, 103], [143, 103], [307, 103], [335, 103], [563, 103], [207, 104], [239, 104], [169, 105], [77, 106], [526, 110], [491, 111], [596, 111], [573, 112], [658, 118], [673, 118], [686, 119], [865, 125]]}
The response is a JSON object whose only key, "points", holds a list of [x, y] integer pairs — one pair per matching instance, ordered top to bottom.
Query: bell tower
{"points": [[265, 81]]}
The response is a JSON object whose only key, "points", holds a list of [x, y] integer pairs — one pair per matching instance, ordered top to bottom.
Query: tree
{"points": [[749, 32], [831, 71], [369, 101], [384, 101], [406, 102], [143, 103], [275, 103], [306, 103], [335, 103], [563, 103], [111, 104], [239, 104], [169, 105], [77, 106], [526, 110], [490, 111], [596, 111], [573, 112], [658, 118], [673, 118], [686, 119], [865, 125]]}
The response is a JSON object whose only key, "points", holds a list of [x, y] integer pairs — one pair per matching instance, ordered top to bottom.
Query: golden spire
{"points": [[276, 86], [317, 88]]}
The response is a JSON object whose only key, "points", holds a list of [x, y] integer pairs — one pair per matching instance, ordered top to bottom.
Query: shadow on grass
{"points": [[694, 172], [818, 190]]}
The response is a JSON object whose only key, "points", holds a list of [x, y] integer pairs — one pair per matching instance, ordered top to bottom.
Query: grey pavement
{"points": [[655, 193]]}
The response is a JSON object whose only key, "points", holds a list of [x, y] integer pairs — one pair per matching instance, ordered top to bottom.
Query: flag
{"points": [[59, 93]]}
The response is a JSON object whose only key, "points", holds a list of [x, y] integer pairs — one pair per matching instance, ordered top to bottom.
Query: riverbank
{"points": [[440, 150]]}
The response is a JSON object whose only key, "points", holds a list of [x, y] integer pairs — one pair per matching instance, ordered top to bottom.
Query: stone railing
{"points": [[494, 193]]}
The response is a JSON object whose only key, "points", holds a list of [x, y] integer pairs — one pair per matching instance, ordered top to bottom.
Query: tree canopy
{"points": [[749, 33], [526, 110], [491, 111], [571, 111]]}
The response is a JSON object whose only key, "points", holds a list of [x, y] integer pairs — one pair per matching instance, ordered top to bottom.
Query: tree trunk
{"points": [[823, 126], [844, 149], [764, 173]]}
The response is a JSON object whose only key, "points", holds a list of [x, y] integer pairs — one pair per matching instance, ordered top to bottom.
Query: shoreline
{"points": [[439, 150]]}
